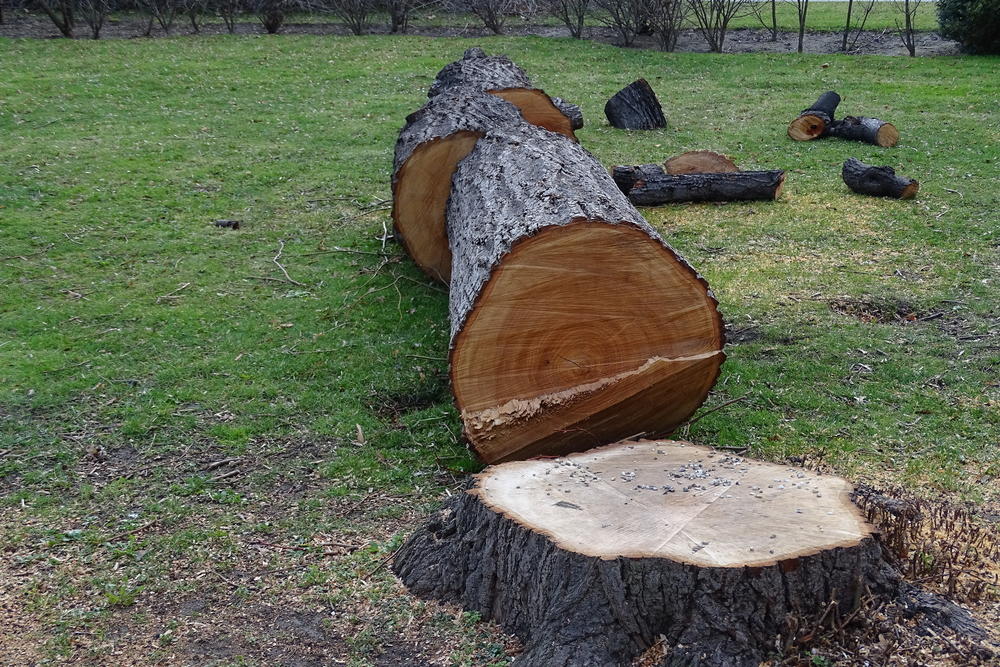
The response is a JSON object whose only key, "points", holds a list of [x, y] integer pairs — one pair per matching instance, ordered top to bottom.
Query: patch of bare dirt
{"points": [[743, 40]]}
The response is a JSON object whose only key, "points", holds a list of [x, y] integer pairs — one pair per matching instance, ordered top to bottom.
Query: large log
{"points": [[635, 107], [814, 121], [868, 130], [877, 181], [647, 185], [573, 323], [590, 559]]}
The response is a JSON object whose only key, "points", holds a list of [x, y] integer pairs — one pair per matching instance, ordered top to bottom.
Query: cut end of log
{"points": [[538, 109], [807, 127], [887, 137], [700, 162], [423, 187], [910, 190], [588, 333], [675, 500]]}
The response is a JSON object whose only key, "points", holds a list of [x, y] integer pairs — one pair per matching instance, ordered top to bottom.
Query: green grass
{"points": [[140, 345]]}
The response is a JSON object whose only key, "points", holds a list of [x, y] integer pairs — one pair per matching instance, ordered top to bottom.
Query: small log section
{"points": [[635, 107], [814, 121], [868, 130], [441, 133], [700, 162], [877, 181], [648, 185], [573, 323], [590, 558]]}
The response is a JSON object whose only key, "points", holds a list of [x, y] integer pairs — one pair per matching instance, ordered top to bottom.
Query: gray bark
{"points": [[485, 72], [635, 107], [857, 128], [626, 177], [877, 181], [512, 185], [571, 609]]}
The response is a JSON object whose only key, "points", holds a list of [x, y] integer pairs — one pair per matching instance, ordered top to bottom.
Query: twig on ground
{"points": [[281, 249], [339, 249], [25, 257], [171, 295], [420, 356], [66, 368], [708, 412], [220, 463], [225, 475], [127, 533], [382, 562]]}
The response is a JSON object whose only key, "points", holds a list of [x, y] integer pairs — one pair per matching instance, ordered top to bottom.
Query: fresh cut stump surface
{"points": [[573, 323], [592, 557]]}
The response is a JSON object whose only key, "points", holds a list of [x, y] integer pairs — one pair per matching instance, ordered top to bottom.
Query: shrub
{"points": [[973, 23]]}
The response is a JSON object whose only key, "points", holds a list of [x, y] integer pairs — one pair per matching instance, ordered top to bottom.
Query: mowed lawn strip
{"points": [[200, 426]]}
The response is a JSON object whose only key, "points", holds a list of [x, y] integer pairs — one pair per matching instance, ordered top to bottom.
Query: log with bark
{"points": [[635, 107], [814, 121], [868, 130], [700, 162], [877, 181], [648, 185], [573, 323], [592, 558]]}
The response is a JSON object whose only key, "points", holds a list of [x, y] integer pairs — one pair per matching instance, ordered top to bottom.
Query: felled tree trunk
{"points": [[500, 76], [468, 98], [635, 107], [814, 121], [868, 130], [700, 162], [877, 181], [647, 185], [573, 323], [592, 558]]}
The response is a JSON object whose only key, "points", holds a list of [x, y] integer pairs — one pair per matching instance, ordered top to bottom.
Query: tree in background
{"points": [[866, 7], [801, 9], [908, 9], [61, 12], [570, 12], [95, 13], [354, 13], [667, 17], [629, 18], [712, 18], [975, 24]]}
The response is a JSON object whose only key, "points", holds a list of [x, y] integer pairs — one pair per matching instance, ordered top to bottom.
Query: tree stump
{"points": [[635, 107], [814, 121], [868, 130], [700, 162], [877, 181], [647, 185], [573, 323], [591, 558]]}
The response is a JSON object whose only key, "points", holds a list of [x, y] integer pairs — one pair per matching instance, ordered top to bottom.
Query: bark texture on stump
{"points": [[500, 76], [635, 107], [814, 121], [868, 130], [430, 145], [700, 162], [877, 181], [649, 186], [573, 323], [591, 558]]}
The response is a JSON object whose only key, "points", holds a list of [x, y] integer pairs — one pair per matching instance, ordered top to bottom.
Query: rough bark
{"points": [[495, 73], [635, 107], [814, 121], [868, 130], [436, 137], [700, 162], [877, 181], [651, 187], [551, 265], [571, 608]]}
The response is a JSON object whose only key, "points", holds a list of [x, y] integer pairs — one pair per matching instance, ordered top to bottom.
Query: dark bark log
{"points": [[498, 74], [635, 107], [814, 121], [868, 130], [626, 177], [877, 181], [652, 189], [550, 265], [518, 548]]}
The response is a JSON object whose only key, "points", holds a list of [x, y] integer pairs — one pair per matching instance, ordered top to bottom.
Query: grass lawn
{"points": [[205, 459]]}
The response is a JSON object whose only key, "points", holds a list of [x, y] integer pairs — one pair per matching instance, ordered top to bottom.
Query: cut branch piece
{"points": [[500, 76], [635, 107], [814, 121], [868, 130], [700, 162], [626, 177], [877, 181], [653, 189], [573, 323], [592, 558]]}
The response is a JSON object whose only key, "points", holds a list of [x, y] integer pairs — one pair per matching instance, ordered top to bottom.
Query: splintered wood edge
{"points": [[538, 109], [806, 127], [887, 136], [700, 162], [781, 184], [910, 191], [842, 503]]}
